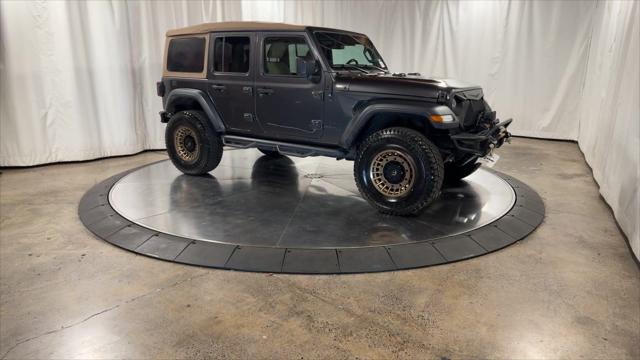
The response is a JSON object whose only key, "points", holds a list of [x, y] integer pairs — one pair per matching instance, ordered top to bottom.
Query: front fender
{"points": [[180, 95], [364, 115]]}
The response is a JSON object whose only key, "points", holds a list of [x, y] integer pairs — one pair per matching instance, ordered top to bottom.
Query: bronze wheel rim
{"points": [[186, 144], [392, 173]]}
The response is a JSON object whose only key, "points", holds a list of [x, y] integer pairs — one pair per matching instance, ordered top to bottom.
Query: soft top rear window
{"points": [[186, 55]]}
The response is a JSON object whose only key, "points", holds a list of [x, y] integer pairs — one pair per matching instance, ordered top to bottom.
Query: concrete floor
{"points": [[570, 290]]}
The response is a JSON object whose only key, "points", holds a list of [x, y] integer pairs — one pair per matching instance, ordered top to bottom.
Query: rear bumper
{"points": [[480, 144]]}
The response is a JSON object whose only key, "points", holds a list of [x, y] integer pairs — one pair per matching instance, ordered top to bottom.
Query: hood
{"points": [[405, 85]]}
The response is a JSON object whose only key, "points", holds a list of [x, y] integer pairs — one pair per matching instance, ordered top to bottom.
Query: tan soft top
{"points": [[234, 26]]}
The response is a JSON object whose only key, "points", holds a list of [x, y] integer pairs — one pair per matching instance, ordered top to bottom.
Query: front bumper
{"points": [[165, 116], [481, 143]]}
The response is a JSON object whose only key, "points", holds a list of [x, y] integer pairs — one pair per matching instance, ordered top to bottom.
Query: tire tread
{"points": [[211, 150], [433, 159]]}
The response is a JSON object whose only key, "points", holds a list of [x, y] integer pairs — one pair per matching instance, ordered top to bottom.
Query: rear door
{"points": [[231, 80], [287, 106]]}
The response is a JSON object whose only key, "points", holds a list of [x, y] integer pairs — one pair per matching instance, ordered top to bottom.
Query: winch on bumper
{"points": [[482, 142]]}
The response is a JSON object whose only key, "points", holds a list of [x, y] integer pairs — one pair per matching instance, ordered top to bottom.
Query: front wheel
{"points": [[192, 144], [398, 171]]}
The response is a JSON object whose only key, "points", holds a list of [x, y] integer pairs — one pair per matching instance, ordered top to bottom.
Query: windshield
{"points": [[347, 51]]}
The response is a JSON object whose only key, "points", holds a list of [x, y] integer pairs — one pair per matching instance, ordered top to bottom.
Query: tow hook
{"points": [[503, 136], [507, 136]]}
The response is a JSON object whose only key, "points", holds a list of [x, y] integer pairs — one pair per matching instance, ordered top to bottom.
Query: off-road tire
{"points": [[208, 146], [270, 153], [424, 156], [454, 173]]}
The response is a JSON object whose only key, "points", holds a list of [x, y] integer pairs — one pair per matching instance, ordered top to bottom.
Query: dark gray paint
{"points": [[331, 109]]}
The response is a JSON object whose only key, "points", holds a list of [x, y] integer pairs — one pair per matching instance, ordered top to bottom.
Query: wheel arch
{"points": [[193, 99], [382, 114]]}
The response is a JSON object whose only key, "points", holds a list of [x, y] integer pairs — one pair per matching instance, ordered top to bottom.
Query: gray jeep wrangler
{"points": [[309, 91]]}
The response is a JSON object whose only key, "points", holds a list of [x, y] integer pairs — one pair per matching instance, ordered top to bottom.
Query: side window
{"points": [[231, 54], [281, 54], [186, 55]]}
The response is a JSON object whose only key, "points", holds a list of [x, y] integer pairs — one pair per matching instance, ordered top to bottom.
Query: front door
{"points": [[231, 80], [287, 106]]}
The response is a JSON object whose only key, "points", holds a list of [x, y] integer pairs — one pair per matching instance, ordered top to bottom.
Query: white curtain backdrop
{"points": [[77, 79], [609, 115]]}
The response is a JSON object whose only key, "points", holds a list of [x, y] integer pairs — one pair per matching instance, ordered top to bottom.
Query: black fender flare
{"points": [[202, 99], [364, 115]]}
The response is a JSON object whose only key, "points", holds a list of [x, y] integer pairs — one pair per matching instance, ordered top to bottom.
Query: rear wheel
{"points": [[192, 144], [398, 171], [454, 172]]}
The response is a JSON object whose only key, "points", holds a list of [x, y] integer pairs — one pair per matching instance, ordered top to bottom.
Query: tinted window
{"points": [[231, 54], [281, 54], [186, 55]]}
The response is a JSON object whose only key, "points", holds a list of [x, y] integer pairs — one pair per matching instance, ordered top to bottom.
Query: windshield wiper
{"points": [[352, 66], [378, 68]]}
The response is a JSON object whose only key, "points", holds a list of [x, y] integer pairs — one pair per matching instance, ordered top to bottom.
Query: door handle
{"points": [[218, 87], [247, 90], [264, 91]]}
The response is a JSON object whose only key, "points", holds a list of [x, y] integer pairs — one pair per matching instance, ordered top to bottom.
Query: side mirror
{"points": [[307, 68]]}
